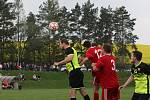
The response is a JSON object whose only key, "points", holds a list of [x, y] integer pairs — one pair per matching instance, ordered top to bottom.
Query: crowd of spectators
{"points": [[23, 66]]}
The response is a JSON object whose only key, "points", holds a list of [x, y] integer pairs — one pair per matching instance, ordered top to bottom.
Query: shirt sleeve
{"points": [[69, 51], [89, 54], [99, 64], [132, 69]]}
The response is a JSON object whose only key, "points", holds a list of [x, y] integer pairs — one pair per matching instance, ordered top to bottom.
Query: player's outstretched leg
{"points": [[96, 88], [84, 93], [96, 93], [72, 94], [96, 96]]}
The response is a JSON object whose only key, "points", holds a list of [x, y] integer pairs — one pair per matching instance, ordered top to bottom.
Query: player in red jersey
{"points": [[93, 53], [108, 78]]}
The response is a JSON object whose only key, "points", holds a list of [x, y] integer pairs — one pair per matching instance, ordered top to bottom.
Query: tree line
{"points": [[28, 38]]}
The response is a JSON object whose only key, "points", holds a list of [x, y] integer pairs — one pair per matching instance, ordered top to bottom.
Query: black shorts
{"points": [[76, 78], [137, 96]]}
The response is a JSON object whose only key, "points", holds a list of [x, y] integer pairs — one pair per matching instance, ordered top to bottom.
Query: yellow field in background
{"points": [[145, 49]]}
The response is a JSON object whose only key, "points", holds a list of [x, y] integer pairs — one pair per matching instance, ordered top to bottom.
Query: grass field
{"points": [[55, 80], [53, 86], [50, 94]]}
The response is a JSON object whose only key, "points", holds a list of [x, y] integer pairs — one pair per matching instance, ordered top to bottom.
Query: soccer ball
{"points": [[53, 26]]}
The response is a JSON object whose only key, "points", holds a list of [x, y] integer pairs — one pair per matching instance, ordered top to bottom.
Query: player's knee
{"points": [[96, 88], [83, 91], [72, 93]]}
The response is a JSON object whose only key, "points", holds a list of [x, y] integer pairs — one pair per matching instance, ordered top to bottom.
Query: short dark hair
{"points": [[64, 41], [87, 44], [94, 44], [107, 48], [137, 54]]}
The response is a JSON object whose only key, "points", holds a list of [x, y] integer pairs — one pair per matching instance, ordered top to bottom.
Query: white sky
{"points": [[138, 9]]}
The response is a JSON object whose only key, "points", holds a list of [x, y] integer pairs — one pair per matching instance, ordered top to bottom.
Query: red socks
{"points": [[96, 96]]}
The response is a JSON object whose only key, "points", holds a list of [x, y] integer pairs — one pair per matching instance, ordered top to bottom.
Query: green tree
{"points": [[48, 12], [89, 18], [74, 20], [63, 22], [20, 24], [104, 26], [7, 27], [123, 27], [34, 43]]}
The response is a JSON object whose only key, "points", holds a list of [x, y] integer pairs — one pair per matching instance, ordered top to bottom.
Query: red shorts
{"points": [[95, 78], [96, 81], [110, 94]]}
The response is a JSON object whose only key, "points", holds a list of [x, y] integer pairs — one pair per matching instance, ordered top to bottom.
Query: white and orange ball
{"points": [[53, 26]]}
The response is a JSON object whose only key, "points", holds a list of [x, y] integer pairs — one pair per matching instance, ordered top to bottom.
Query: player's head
{"points": [[63, 43], [87, 44], [94, 44], [100, 45], [107, 49], [136, 56]]}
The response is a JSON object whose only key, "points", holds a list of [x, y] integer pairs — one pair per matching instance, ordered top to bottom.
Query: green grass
{"points": [[49, 80], [55, 80], [53, 86], [51, 94]]}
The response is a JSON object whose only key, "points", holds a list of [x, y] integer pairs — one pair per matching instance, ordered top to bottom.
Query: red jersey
{"points": [[93, 54], [107, 71]]}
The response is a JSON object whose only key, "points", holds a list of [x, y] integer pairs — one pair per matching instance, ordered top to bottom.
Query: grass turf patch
{"points": [[52, 94]]}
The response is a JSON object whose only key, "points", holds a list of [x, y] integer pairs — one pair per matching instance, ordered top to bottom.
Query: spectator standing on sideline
{"points": [[75, 74], [140, 74], [108, 77]]}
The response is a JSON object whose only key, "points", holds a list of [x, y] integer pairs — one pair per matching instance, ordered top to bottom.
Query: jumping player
{"points": [[93, 53], [75, 74], [108, 78]]}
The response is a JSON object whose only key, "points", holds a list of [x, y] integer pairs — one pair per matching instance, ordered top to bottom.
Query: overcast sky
{"points": [[138, 9]]}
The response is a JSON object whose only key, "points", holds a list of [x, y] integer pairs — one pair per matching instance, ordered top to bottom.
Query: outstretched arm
{"points": [[66, 60], [83, 61], [94, 67], [130, 79]]}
